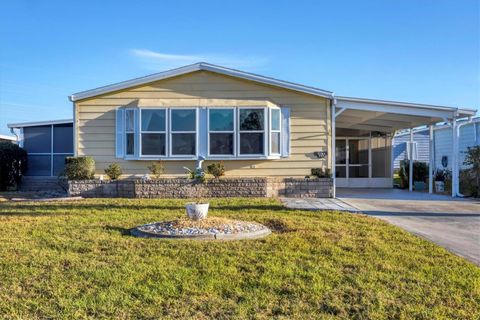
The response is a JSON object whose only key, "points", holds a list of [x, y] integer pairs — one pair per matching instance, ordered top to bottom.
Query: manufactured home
{"points": [[257, 125]]}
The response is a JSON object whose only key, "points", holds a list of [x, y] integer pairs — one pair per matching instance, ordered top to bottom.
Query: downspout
{"points": [[15, 133], [457, 168]]}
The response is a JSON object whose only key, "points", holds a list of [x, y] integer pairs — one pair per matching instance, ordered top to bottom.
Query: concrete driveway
{"points": [[451, 223]]}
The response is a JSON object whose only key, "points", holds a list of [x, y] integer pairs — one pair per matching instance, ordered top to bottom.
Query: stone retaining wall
{"points": [[212, 188]]}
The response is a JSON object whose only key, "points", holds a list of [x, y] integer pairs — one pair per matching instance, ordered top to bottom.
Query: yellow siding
{"points": [[310, 122]]}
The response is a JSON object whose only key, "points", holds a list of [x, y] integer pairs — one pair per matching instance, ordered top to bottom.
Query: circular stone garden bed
{"points": [[206, 229]]}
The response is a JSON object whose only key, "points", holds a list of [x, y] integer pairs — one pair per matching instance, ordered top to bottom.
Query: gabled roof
{"points": [[198, 67], [39, 123]]}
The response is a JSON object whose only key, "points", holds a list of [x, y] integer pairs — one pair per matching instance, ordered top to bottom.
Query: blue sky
{"points": [[424, 51]]}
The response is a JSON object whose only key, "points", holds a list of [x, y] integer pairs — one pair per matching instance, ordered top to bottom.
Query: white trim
{"points": [[198, 67], [39, 123], [5, 137], [431, 163]]}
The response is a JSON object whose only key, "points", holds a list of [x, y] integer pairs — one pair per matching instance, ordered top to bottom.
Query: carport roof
{"points": [[388, 116]]}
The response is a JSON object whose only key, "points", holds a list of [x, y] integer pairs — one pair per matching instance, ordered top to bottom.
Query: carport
{"points": [[362, 131]]}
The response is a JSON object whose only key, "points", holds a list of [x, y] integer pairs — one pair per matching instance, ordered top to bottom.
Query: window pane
{"points": [[221, 119], [251, 119], [275, 119], [129, 120], [153, 120], [183, 120], [63, 138], [38, 139], [275, 142], [221, 143], [251, 143], [130, 144], [153, 144], [183, 144], [340, 151], [358, 151], [59, 164], [39, 165], [358, 171], [340, 172]]}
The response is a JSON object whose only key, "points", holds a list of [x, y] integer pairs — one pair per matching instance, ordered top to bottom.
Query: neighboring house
{"points": [[259, 126], [5, 138], [442, 143], [47, 144]]}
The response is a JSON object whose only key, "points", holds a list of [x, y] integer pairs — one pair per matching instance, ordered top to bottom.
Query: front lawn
{"points": [[75, 260]]}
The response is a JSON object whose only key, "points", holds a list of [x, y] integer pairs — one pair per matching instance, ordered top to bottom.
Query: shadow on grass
{"points": [[122, 231]]}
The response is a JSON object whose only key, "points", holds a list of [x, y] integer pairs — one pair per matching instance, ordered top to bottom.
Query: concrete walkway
{"points": [[316, 204], [451, 223]]}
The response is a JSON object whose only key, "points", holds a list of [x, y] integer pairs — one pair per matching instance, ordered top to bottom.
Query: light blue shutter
{"points": [[136, 130], [119, 132], [202, 132], [285, 152]]}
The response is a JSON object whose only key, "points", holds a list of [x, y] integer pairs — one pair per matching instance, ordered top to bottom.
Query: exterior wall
{"points": [[95, 120], [443, 143], [399, 147], [185, 188]]}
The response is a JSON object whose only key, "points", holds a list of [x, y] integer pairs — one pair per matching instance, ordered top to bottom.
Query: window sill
{"points": [[210, 158]]}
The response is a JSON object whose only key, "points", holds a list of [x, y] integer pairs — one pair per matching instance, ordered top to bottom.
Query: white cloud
{"points": [[158, 61]]}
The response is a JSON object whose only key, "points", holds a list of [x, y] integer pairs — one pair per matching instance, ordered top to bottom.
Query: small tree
{"points": [[472, 161], [13, 164], [157, 169], [217, 169], [113, 171]]}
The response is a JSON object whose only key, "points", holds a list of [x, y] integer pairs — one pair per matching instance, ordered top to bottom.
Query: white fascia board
{"points": [[198, 67], [396, 107], [39, 123], [5, 137]]}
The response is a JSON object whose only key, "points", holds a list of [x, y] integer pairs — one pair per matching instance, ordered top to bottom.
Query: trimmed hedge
{"points": [[13, 164], [79, 168]]}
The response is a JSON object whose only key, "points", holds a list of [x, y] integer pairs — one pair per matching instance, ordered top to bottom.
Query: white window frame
{"points": [[270, 131], [171, 132], [234, 132], [265, 132], [140, 153]]}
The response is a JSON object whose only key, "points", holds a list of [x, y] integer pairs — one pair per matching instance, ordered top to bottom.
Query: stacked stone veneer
{"points": [[212, 188]]}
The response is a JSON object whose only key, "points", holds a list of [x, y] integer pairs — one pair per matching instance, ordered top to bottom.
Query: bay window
{"points": [[221, 126], [252, 131], [214, 132], [183, 136]]}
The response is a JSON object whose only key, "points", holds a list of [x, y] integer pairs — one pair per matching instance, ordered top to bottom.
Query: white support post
{"points": [[333, 157], [410, 163], [431, 163], [455, 187]]}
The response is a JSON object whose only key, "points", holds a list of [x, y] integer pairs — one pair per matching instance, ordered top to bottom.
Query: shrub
{"points": [[472, 160], [13, 164], [79, 168], [157, 169], [216, 169], [113, 171], [320, 172], [420, 172]]}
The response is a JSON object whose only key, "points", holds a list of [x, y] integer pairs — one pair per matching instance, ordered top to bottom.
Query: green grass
{"points": [[75, 260]]}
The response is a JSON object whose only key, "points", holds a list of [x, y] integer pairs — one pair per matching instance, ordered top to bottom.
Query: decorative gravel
{"points": [[209, 226]]}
